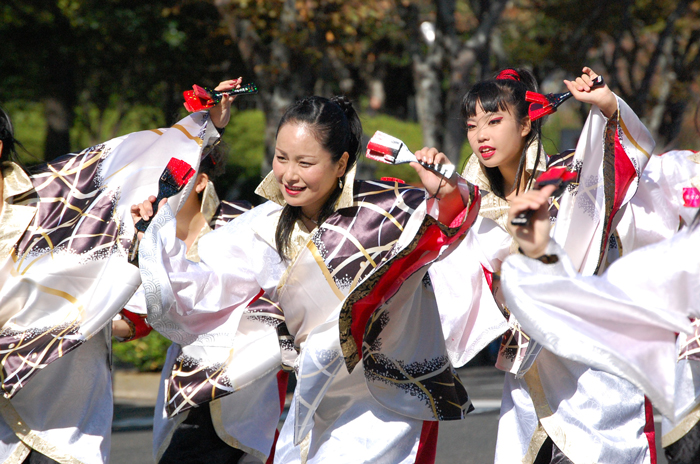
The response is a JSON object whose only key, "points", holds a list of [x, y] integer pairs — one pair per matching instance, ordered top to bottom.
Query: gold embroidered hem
{"points": [[217, 421], [682, 427], [31, 439], [536, 442], [304, 447], [573, 449], [19, 454]]}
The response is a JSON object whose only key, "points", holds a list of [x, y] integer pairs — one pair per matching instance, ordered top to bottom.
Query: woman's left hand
{"points": [[602, 97], [221, 113]]}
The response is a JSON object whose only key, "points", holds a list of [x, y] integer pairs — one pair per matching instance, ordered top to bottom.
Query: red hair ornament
{"points": [[508, 74]]}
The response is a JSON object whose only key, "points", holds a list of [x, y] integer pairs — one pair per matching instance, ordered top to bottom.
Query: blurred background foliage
{"points": [[77, 72]]}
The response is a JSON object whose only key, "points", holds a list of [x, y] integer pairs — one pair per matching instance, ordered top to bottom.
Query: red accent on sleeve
{"points": [[625, 173], [393, 179], [426, 250], [489, 277], [140, 325], [649, 429]]}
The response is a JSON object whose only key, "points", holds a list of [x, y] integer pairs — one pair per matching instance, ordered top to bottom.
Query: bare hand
{"points": [[602, 97], [221, 113], [433, 182], [437, 186], [145, 210], [533, 237], [121, 329]]}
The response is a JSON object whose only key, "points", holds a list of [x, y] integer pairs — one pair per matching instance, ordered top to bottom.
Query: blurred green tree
{"points": [[648, 51], [91, 61]]}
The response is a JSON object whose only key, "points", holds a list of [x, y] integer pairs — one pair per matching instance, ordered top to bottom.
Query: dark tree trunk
{"points": [[61, 91]]}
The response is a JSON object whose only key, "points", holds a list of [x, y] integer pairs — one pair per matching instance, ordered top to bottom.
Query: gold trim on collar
{"points": [[15, 180], [269, 189], [210, 202], [492, 206], [14, 219]]}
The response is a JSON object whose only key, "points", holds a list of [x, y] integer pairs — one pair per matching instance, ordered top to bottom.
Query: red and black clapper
{"points": [[202, 98], [542, 105], [557, 175], [174, 178]]}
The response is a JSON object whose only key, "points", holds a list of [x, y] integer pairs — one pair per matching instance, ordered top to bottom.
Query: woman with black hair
{"points": [[66, 235], [326, 278], [553, 409]]}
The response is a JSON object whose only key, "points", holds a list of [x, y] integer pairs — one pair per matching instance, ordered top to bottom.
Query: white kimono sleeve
{"points": [[196, 303], [623, 322]]}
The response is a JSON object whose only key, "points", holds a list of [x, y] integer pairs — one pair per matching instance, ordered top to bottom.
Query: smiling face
{"points": [[498, 138], [305, 172]]}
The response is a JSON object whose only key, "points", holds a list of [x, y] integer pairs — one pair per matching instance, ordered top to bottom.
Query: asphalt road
{"points": [[470, 441]]}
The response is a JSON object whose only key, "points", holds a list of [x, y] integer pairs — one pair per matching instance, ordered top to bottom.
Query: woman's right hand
{"points": [[144, 210], [533, 237]]}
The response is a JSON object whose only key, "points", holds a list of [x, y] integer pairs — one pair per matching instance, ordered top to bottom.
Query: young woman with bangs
{"points": [[553, 409]]}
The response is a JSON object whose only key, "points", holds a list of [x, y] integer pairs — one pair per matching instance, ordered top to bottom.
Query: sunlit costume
{"points": [[666, 201], [216, 214], [66, 235], [353, 298], [624, 322], [590, 415]]}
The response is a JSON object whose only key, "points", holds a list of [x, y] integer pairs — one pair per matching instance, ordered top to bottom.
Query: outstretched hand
{"points": [[602, 97], [221, 113], [437, 186], [533, 237]]}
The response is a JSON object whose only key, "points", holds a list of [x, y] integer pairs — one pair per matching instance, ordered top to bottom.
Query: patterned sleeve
{"points": [[610, 157]]}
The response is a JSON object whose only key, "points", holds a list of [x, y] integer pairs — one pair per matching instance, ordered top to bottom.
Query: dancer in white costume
{"points": [[666, 201], [66, 236], [333, 268], [625, 321], [553, 410], [203, 434]]}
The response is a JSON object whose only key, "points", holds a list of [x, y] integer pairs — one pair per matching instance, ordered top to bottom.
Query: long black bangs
{"points": [[489, 96]]}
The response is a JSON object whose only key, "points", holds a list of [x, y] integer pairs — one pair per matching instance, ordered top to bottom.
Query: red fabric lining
{"points": [[625, 173], [428, 245], [489, 277], [390, 282], [141, 327], [282, 379], [649, 429], [427, 446], [271, 457]]}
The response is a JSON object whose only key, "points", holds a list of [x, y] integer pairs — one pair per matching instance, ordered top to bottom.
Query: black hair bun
{"points": [[344, 103]]}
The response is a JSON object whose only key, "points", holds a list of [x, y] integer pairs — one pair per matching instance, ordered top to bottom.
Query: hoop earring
{"points": [[340, 182]]}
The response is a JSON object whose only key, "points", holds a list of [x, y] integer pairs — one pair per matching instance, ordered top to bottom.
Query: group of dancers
{"points": [[371, 292]]}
